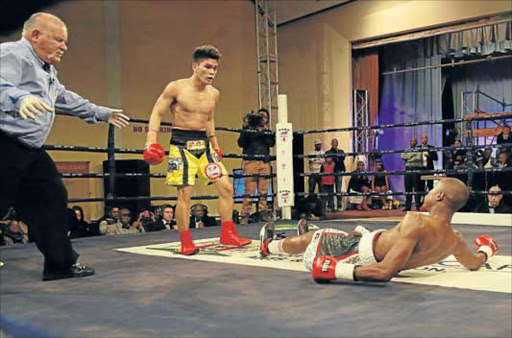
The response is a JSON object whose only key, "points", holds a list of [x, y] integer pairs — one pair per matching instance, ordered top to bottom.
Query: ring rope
{"points": [[405, 124], [398, 151], [406, 172], [154, 175], [158, 198]]}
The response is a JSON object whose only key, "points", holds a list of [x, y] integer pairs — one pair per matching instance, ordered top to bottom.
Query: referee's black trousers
{"points": [[30, 182]]}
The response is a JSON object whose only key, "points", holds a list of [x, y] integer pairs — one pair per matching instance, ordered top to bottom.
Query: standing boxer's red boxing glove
{"points": [[154, 154]]}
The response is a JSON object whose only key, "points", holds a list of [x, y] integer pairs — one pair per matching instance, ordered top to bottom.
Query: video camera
{"points": [[254, 120]]}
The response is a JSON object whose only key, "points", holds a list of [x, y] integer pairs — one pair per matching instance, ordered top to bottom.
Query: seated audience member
{"points": [[503, 138], [454, 153], [483, 158], [502, 161], [459, 164], [503, 179], [328, 182], [360, 183], [380, 183], [494, 204], [310, 208], [112, 215], [199, 217], [145, 219], [166, 222], [78, 226], [121, 227], [14, 231]]}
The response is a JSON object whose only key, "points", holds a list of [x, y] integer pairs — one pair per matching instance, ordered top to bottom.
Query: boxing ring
{"points": [[142, 287], [135, 295]]}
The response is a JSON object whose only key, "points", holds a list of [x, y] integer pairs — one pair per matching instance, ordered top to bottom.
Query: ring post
{"points": [[284, 159]]}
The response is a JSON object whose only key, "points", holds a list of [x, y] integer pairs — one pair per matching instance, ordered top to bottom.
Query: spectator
{"points": [[503, 138], [256, 144], [458, 152], [428, 159], [484, 159], [502, 161], [315, 163], [459, 164], [339, 167], [504, 179], [412, 181], [328, 182], [360, 183], [380, 183], [494, 203], [310, 208], [112, 215], [199, 217], [145, 219], [166, 222], [78, 226], [123, 226], [14, 231]]}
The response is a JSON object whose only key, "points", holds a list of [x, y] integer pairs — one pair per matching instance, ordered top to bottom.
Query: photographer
{"points": [[256, 144], [144, 221], [13, 231]]}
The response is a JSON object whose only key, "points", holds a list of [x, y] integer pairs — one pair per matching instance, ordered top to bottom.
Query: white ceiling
{"points": [[287, 10]]}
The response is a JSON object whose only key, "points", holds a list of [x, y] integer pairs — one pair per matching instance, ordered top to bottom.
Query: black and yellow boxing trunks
{"points": [[190, 152]]}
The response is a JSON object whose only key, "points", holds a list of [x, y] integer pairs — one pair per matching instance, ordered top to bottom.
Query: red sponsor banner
{"points": [[75, 167]]}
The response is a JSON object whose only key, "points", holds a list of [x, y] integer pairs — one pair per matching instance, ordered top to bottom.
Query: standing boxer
{"points": [[194, 146]]}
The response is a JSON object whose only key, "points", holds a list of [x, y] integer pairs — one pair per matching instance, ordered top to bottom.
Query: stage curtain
{"points": [[409, 97]]}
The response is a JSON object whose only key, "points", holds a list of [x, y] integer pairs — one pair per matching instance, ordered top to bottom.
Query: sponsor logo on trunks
{"points": [[196, 145], [174, 164], [213, 171]]}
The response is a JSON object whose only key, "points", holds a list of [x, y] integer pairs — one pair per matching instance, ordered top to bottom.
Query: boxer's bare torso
{"points": [[191, 107], [431, 240]]}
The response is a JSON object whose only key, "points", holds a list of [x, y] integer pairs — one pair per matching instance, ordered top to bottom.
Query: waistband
{"points": [[180, 136], [366, 254]]}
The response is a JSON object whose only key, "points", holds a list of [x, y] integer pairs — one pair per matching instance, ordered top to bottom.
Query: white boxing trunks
{"points": [[354, 248]]}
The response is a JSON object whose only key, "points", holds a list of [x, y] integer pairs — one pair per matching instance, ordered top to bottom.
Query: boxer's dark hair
{"points": [[206, 52]]}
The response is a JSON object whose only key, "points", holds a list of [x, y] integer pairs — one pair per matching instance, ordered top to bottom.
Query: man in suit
{"points": [[494, 203], [199, 217], [166, 222]]}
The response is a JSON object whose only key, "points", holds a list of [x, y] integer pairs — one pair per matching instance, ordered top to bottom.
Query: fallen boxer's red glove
{"points": [[154, 154], [487, 245], [324, 269]]}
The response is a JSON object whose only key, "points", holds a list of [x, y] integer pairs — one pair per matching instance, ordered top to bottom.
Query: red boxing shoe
{"points": [[229, 235], [187, 243]]}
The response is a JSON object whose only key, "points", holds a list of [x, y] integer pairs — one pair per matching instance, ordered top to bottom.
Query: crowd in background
{"points": [[416, 185], [122, 220], [116, 221]]}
